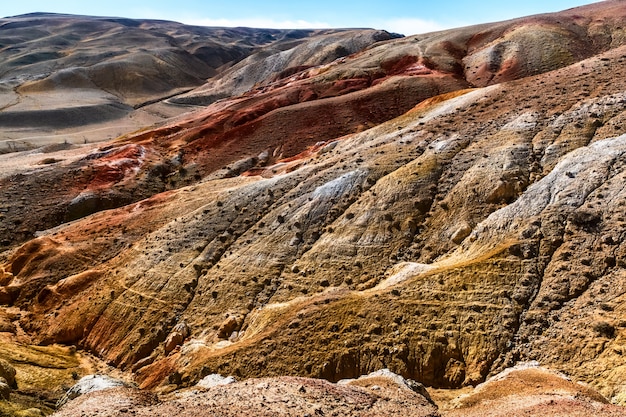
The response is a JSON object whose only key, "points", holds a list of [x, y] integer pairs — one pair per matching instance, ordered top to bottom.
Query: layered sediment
{"points": [[443, 205]]}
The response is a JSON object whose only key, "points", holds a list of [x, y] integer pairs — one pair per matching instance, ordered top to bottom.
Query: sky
{"points": [[400, 16]]}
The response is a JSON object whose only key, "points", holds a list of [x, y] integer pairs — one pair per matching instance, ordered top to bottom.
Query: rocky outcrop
{"points": [[7, 373], [91, 383], [380, 395]]}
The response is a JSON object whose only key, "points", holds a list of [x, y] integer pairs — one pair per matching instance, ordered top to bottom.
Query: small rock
{"points": [[328, 147], [263, 157], [503, 192], [461, 233], [607, 240], [5, 277], [6, 298], [6, 326], [228, 327], [176, 338], [455, 372], [175, 378], [397, 379], [165, 389]]}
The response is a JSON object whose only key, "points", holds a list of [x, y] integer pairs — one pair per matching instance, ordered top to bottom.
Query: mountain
{"points": [[82, 79], [446, 205]]}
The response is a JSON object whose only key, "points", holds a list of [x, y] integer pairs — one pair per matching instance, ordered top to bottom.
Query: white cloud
{"points": [[254, 22]]}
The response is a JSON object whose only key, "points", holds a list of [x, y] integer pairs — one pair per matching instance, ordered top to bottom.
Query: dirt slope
{"points": [[444, 205]]}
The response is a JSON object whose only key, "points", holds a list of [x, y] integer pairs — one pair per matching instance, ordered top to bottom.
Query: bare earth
{"points": [[319, 205]]}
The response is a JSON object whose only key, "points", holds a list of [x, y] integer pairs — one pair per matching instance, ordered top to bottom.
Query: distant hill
{"points": [[90, 78]]}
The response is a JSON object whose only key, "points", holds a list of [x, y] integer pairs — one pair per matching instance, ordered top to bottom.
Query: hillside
{"points": [[81, 79], [445, 205]]}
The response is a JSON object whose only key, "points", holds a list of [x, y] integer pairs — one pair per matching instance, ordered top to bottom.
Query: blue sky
{"points": [[407, 17]]}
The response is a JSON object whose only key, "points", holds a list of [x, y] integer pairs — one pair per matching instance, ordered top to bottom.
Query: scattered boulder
{"points": [[461, 233], [228, 327], [176, 338]]}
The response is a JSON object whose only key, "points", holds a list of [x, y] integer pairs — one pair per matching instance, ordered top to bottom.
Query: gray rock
{"points": [[90, 383]]}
